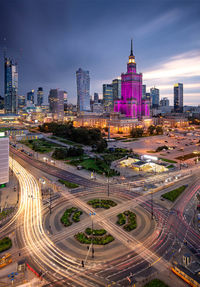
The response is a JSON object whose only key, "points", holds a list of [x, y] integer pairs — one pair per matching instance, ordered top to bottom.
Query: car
{"points": [[79, 167]]}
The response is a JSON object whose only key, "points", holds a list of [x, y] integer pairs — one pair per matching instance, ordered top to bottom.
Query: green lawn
{"points": [[65, 141], [40, 145], [168, 160], [97, 165], [170, 166], [68, 183], [174, 194], [5, 244], [156, 283]]}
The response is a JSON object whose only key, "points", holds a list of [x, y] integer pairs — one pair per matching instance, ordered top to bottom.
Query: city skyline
{"points": [[60, 47]]}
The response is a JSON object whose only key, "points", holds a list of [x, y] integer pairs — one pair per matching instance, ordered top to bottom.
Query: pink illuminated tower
{"points": [[131, 104]]}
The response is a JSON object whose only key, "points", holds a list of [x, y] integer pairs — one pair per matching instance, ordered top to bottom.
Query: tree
{"points": [[151, 129], [159, 130], [137, 132]]}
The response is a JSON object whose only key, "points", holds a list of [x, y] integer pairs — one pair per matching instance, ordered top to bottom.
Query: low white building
{"points": [[4, 158]]}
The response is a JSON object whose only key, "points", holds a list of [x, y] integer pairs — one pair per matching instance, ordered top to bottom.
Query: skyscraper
{"points": [[116, 83], [10, 85], [83, 90], [144, 91], [107, 95], [30, 96], [40, 96], [155, 97], [96, 98], [178, 98], [21, 102], [164, 102], [131, 103], [56, 104]]}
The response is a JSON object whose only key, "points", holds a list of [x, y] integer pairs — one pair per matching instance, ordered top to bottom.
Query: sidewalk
{"points": [[8, 197]]}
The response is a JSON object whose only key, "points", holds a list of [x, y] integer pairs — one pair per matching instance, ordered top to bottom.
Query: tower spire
{"points": [[131, 47]]}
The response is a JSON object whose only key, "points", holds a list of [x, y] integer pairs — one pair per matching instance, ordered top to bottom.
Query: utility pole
{"points": [[108, 183], [50, 200], [152, 205]]}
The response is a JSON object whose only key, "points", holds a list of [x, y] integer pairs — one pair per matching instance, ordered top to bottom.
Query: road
{"points": [[52, 170], [142, 258]]}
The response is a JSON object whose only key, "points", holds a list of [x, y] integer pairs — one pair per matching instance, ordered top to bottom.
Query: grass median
{"points": [[68, 183], [175, 193], [156, 283]]}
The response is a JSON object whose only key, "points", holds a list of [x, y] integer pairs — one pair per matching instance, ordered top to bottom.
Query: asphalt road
{"points": [[27, 161]]}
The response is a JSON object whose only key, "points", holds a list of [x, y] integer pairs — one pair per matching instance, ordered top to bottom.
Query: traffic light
{"points": [[15, 189]]}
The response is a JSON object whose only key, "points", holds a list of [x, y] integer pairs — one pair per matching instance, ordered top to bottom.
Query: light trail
{"points": [[32, 232]]}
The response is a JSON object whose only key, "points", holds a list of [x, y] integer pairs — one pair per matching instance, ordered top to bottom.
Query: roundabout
{"points": [[65, 237], [51, 247]]}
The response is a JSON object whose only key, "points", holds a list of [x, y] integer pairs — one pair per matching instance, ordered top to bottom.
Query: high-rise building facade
{"points": [[116, 83], [10, 85], [83, 90], [144, 92], [30, 96], [40, 96], [108, 96], [155, 97], [96, 98], [178, 98], [21, 102], [164, 102], [1, 103], [131, 103], [56, 104], [4, 156]]}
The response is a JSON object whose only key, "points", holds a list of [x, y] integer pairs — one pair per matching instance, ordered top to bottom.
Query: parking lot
{"points": [[178, 145]]}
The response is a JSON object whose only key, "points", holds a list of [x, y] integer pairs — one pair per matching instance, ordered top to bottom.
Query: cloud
{"points": [[159, 23], [181, 66], [185, 86]]}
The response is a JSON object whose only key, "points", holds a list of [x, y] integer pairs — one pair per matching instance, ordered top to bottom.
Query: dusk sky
{"points": [[51, 39]]}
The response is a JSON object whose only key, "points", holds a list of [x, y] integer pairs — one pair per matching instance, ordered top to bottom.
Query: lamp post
{"points": [[92, 214]]}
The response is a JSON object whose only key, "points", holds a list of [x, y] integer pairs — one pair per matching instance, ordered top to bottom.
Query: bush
{"points": [[160, 148], [102, 203], [76, 216], [127, 216], [65, 219], [121, 219], [97, 232], [103, 240], [5, 244]]}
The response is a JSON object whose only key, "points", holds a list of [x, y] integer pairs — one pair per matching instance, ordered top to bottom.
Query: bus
{"points": [[5, 260], [183, 273]]}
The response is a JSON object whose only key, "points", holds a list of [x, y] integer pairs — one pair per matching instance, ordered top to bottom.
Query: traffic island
{"points": [[102, 203], [71, 213], [127, 219], [95, 236]]}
